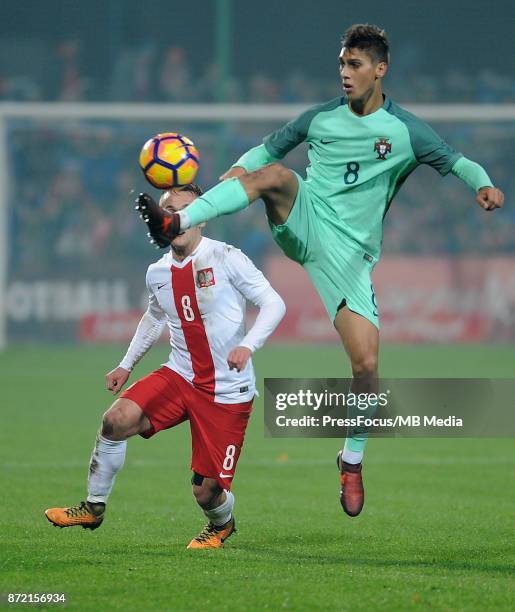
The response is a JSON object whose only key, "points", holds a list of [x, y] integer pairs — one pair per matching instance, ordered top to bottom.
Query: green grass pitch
{"points": [[436, 531]]}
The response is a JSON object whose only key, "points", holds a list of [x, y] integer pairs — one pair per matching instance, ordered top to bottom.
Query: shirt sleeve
{"points": [[286, 138], [277, 144], [429, 148], [254, 159], [471, 173], [254, 287], [147, 333]]}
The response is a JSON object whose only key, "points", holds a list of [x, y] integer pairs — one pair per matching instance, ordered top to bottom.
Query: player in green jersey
{"points": [[362, 147]]}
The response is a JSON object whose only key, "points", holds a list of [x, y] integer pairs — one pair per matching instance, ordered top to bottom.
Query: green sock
{"points": [[225, 198], [357, 443], [354, 447]]}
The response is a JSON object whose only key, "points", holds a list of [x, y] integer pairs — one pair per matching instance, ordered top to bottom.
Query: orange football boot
{"points": [[352, 493], [82, 514], [212, 536]]}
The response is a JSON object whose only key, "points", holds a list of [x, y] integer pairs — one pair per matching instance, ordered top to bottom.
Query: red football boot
{"points": [[163, 226], [352, 493]]}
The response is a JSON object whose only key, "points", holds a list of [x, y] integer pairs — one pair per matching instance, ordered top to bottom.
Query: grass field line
{"points": [[138, 463]]}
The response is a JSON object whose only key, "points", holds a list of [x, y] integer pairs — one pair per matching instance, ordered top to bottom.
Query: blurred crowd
{"points": [[150, 73], [73, 183], [72, 187]]}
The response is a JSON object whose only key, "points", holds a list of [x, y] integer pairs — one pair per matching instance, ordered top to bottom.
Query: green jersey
{"points": [[357, 164]]}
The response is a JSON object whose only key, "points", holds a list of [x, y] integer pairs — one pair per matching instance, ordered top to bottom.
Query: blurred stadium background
{"points": [[82, 86], [75, 89]]}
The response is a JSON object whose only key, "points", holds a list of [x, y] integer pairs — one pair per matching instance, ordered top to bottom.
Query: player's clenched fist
{"points": [[490, 198], [238, 358], [115, 379]]}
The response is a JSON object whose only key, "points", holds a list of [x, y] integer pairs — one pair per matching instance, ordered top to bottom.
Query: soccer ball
{"points": [[169, 160]]}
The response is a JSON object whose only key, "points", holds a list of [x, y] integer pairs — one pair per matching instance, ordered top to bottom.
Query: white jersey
{"points": [[202, 300]]}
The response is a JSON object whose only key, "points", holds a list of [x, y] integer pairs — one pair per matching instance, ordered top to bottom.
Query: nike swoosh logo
{"points": [[325, 141], [161, 286], [222, 475]]}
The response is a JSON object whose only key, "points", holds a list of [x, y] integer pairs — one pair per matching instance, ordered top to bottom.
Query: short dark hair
{"points": [[368, 38], [193, 187]]}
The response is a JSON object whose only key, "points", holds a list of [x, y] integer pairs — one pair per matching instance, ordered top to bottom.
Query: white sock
{"points": [[185, 220], [353, 457], [106, 461], [221, 515]]}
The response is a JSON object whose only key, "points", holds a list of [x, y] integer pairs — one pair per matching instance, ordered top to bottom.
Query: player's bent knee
{"points": [[280, 177], [272, 178], [365, 367], [121, 420], [108, 424]]}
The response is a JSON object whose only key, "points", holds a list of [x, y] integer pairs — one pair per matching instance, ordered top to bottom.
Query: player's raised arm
{"points": [[275, 146], [432, 150], [255, 288], [147, 333]]}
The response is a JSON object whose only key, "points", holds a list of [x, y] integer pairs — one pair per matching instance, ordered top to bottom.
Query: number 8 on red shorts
{"points": [[217, 430]]}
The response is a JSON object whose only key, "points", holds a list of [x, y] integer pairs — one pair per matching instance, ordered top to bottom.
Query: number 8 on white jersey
{"points": [[189, 315]]}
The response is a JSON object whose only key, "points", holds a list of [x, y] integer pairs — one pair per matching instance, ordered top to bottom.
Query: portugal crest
{"points": [[382, 147]]}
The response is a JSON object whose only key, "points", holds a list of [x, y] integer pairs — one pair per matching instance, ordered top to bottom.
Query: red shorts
{"points": [[217, 430]]}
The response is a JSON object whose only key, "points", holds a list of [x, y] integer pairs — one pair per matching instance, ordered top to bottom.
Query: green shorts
{"points": [[337, 267]]}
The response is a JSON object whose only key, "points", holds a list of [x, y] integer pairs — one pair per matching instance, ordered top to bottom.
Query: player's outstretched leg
{"points": [[274, 183], [360, 338], [122, 420], [217, 505]]}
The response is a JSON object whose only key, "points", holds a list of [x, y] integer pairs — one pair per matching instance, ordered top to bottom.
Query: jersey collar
{"points": [[385, 106]]}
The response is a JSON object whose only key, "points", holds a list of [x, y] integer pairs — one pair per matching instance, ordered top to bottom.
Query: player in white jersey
{"points": [[199, 290]]}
